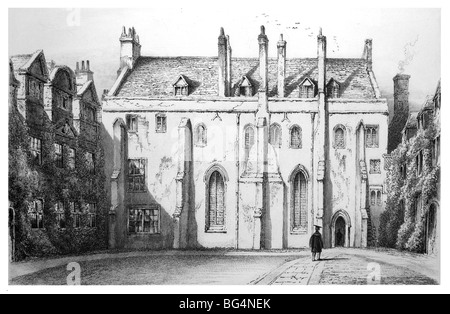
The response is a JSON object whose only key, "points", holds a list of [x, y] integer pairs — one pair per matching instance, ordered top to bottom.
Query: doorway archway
{"points": [[431, 227], [340, 229], [340, 232]]}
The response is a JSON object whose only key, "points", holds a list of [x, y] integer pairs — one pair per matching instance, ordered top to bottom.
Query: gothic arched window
{"points": [[249, 134], [200, 135], [275, 135], [296, 137], [339, 137], [299, 202], [215, 219]]}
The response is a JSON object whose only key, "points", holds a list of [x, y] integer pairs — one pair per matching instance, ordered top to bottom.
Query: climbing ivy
{"points": [[28, 181], [399, 226]]}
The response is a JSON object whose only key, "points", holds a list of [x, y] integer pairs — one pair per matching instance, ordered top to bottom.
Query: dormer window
{"points": [[181, 86], [245, 88], [307, 89], [333, 89]]}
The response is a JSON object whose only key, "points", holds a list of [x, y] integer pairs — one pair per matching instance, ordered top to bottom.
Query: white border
{"points": [[262, 4]]}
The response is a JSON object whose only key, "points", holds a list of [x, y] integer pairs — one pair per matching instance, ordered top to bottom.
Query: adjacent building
{"points": [[248, 153], [414, 176], [63, 212]]}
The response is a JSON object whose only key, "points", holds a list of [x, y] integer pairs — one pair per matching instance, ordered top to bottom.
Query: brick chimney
{"points": [[130, 48], [368, 54], [321, 57], [263, 60], [222, 62], [281, 66], [83, 74], [401, 93], [401, 110]]}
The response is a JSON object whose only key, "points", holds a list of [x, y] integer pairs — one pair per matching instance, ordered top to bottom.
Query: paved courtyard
{"points": [[339, 266]]}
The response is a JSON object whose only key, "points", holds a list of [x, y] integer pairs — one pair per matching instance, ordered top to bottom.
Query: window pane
{"points": [[249, 137], [296, 137], [339, 138], [375, 166], [213, 199], [300, 202], [33, 220], [131, 221], [147, 221]]}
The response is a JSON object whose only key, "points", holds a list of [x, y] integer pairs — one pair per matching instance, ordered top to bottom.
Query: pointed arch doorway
{"points": [[431, 227], [340, 229]]}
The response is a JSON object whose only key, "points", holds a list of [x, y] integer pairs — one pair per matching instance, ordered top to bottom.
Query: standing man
{"points": [[316, 244]]}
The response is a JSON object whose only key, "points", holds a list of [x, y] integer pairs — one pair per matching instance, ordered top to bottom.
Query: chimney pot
{"points": [[130, 50], [87, 65], [82, 66], [78, 67]]}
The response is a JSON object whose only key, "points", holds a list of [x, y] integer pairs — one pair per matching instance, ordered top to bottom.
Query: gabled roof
{"points": [[19, 60], [24, 63], [152, 76], [181, 81], [332, 81], [245, 82], [307, 82], [89, 85], [428, 105], [63, 127]]}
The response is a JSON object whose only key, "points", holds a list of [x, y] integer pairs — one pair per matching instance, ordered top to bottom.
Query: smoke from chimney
{"points": [[409, 54]]}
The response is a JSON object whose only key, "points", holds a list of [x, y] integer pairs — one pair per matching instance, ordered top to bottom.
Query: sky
{"points": [[404, 40]]}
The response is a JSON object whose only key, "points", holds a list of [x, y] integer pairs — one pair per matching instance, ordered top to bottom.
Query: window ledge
{"points": [[216, 230], [299, 231], [141, 234]]}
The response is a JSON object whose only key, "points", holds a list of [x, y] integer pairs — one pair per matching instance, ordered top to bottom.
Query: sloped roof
{"points": [[19, 60], [25, 61], [154, 76], [12, 78]]}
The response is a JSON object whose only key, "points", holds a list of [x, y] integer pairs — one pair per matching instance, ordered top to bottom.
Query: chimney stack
{"points": [[130, 48], [229, 53], [222, 54], [368, 54], [321, 56], [263, 59], [281, 66], [84, 74], [401, 94], [401, 110]]}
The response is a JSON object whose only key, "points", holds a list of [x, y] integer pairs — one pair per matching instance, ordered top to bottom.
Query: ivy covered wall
{"points": [[41, 181], [412, 185]]}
